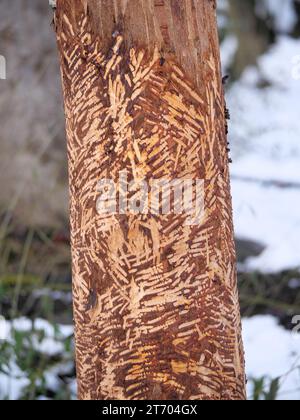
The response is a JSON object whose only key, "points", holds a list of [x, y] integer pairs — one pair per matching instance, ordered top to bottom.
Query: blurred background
{"points": [[260, 46]]}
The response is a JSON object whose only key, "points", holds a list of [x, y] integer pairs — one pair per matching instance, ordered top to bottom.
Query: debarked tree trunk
{"points": [[155, 291]]}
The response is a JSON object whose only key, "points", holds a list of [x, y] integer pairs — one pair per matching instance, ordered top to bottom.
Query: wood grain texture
{"points": [[155, 300]]}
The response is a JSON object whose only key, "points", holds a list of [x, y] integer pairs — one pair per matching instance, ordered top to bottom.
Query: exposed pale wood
{"points": [[155, 300]]}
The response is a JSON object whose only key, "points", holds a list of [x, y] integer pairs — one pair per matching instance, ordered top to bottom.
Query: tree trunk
{"points": [[252, 32], [155, 296]]}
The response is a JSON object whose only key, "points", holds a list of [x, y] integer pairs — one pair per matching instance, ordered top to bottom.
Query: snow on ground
{"points": [[283, 13], [229, 48], [265, 142], [270, 216], [4, 329], [270, 350], [273, 352], [13, 382]]}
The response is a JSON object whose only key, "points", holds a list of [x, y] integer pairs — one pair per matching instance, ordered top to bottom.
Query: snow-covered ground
{"points": [[282, 12], [265, 140], [265, 143], [272, 352], [13, 379]]}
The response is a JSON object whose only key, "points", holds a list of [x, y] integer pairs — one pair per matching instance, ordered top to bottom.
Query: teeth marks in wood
{"points": [[155, 301]]}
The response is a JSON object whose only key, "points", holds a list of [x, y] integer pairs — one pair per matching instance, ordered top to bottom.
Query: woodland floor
{"points": [[36, 359]]}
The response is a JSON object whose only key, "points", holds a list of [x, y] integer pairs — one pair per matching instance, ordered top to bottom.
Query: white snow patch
{"points": [[222, 6], [282, 11], [229, 49], [265, 141], [271, 217], [294, 284], [4, 329], [273, 352], [12, 383]]}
